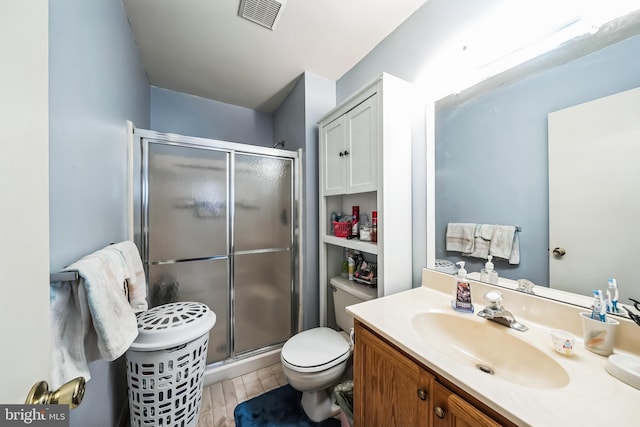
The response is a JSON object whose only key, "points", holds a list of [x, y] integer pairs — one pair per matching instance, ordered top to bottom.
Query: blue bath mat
{"points": [[280, 407]]}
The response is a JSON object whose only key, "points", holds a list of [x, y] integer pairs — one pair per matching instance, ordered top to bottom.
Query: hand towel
{"points": [[460, 237], [481, 241], [502, 241], [515, 250], [136, 282], [91, 318]]}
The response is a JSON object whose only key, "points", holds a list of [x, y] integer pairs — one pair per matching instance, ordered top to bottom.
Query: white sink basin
{"points": [[490, 347]]}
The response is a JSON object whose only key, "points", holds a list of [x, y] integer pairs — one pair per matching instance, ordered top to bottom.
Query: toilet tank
{"points": [[346, 293]]}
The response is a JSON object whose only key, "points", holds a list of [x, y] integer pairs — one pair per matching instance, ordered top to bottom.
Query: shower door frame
{"points": [[139, 162]]}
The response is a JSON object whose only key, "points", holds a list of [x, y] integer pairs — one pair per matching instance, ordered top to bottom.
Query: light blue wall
{"points": [[410, 52], [404, 53], [96, 84], [176, 112], [289, 120], [295, 122], [491, 152]]}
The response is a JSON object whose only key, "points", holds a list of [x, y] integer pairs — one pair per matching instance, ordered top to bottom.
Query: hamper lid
{"points": [[172, 324]]}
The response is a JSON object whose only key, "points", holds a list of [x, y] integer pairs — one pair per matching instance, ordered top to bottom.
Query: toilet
{"points": [[315, 360]]}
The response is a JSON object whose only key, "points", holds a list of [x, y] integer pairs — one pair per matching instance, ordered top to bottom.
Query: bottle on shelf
{"points": [[356, 218], [374, 226], [352, 267]]}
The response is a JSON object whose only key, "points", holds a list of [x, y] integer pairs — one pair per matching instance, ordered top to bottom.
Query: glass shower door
{"points": [[187, 236], [262, 260]]}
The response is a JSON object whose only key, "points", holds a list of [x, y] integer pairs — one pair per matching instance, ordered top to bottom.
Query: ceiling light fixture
{"points": [[262, 12]]}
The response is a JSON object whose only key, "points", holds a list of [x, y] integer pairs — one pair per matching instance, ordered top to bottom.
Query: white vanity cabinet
{"points": [[348, 156], [365, 160]]}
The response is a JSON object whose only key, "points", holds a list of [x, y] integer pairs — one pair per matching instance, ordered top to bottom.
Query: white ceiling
{"points": [[203, 48]]}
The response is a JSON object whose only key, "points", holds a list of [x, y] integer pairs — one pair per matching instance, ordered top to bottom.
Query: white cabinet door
{"points": [[362, 147], [349, 151], [334, 166]]}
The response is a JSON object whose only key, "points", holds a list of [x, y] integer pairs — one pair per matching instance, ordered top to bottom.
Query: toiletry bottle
{"points": [[355, 210], [374, 226], [352, 268], [488, 274], [613, 286], [462, 298], [599, 308], [603, 308]]}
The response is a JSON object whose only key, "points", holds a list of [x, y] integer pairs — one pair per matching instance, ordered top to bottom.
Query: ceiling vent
{"points": [[262, 12]]}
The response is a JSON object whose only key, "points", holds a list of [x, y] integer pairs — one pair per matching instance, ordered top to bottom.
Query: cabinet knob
{"points": [[346, 153], [341, 154], [559, 251], [422, 394], [439, 412]]}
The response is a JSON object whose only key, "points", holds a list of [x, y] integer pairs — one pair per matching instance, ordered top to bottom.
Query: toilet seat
{"points": [[315, 350]]}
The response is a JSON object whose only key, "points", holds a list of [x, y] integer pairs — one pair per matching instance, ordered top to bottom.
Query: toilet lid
{"points": [[315, 348]]}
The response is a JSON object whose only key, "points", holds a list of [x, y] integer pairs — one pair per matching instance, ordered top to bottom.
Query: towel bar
{"points": [[63, 276]]}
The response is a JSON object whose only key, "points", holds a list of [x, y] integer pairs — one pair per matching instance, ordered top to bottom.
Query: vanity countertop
{"points": [[591, 398]]}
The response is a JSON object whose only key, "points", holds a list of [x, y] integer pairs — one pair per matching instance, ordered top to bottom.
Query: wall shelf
{"points": [[354, 244]]}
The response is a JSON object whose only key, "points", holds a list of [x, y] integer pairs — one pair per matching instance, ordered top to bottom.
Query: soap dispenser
{"points": [[488, 274], [462, 298]]}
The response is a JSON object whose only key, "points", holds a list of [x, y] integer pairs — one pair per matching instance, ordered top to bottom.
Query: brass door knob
{"points": [[559, 251], [70, 393], [422, 394]]}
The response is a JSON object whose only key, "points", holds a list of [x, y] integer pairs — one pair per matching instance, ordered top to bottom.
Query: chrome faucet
{"points": [[496, 312]]}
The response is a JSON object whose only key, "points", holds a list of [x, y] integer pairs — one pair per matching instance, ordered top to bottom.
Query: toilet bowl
{"points": [[315, 360]]}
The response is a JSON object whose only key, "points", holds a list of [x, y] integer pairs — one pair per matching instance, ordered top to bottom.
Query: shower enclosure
{"points": [[217, 224]]}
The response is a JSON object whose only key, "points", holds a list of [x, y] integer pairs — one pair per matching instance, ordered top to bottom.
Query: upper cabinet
{"points": [[349, 156], [365, 161]]}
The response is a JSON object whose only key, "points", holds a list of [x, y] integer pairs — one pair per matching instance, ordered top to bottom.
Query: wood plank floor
{"points": [[220, 399]]}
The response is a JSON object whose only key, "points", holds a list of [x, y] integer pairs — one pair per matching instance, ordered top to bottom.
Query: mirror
{"points": [[491, 156]]}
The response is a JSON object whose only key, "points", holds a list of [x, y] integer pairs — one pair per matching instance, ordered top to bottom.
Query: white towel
{"points": [[485, 231], [460, 237], [481, 241], [502, 243], [515, 250], [136, 282], [91, 318]]}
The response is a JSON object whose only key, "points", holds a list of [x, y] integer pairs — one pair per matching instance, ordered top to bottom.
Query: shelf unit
{"points": [[365, 160]]}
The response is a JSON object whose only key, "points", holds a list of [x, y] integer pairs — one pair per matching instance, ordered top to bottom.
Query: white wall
{"points": [[24, 197]]}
